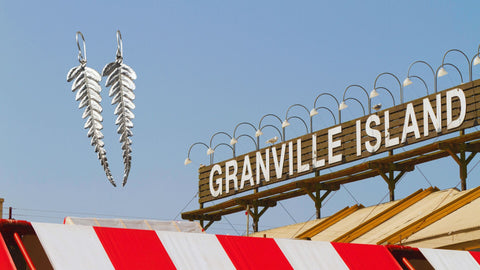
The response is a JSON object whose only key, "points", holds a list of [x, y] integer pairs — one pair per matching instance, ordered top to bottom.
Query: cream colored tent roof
{"points": [[427, 218], [142, 224]]}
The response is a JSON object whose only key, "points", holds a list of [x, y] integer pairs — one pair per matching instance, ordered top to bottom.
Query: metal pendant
{"points": [[120, 79], [86, 84]]}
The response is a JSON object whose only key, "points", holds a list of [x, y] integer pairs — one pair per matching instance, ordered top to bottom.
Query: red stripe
{"points": [[134, 249], [254, 253], [475, 255], [359, 256], [6, 261]]}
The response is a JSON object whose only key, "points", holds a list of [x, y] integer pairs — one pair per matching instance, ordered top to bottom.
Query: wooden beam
{"points": [[355, 173], [383, 216], [329, 221], [405, 232]]}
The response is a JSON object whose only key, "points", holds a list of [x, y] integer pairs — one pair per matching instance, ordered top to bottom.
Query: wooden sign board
{"points": [[415, 121]]}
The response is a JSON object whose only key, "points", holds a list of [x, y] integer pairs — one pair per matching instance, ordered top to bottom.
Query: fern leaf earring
{"points": [[120, 79], [86, 84]]}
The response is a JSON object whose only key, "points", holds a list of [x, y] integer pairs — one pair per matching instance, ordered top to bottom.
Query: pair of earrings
{"points": [[120, 79]]}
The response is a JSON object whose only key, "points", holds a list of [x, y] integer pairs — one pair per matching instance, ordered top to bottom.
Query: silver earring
{"points": [[120, 79], [88, 93]]}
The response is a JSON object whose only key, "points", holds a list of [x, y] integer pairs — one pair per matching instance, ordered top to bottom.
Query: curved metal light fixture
{"points": [[407, 80], [375, 93], [315, 105], [343, 105], [285, 122], [188, 160]]}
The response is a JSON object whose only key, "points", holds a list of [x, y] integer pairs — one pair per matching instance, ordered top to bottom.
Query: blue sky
{"points": [[203, 67]]}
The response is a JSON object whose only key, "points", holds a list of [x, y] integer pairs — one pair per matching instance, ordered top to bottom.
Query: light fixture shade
{"points": [[476, 61], [442, 72], [407, 81], [374, 93], [343, 105], [377, 107], [313, 112], [285, 123], [258, 133], [233, 141], [210, 151], [187, 161]]}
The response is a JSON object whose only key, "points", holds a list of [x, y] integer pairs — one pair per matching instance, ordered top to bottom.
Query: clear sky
{"points": [[203, 67]]}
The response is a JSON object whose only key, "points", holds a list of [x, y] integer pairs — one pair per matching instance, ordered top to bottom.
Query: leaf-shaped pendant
{"points": [[120, 79], [86, 82]]}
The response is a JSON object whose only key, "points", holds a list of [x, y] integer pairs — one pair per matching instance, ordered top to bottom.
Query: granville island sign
{"points": [[424, 118]]}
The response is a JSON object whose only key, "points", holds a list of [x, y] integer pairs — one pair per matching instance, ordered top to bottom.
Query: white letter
{"points": [[457, 92], [428, 113], [410, 116], [373, 133], [359, 137], [388, 142], [334, 144], [290, 158], [316, 163], [279, 165], [264, 166], [301, 167], [218, 169], [246, 172], [231, 177]]}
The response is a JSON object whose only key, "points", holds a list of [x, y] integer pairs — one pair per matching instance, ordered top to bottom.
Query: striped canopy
{"points": [[90, 247]]}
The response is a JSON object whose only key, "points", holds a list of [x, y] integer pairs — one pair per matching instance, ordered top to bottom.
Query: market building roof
{"points": [[427, 218]]}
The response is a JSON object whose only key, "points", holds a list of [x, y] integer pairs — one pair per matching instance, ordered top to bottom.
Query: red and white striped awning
{"points": [[87, 247]]}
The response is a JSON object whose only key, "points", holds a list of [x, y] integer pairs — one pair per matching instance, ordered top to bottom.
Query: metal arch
{"points": [[466, 57], [423, 62], [471, 62], [447, 64], [430, 67], [396, 78], [424, 83], [384, 88], [328, 94], [368, 96], [336, 100], [296, 105], [363, 108], [306, 109], [330, 111], [269, 114], [299, 118], [243, 123], [260, 125], [235, 131], [220, 132], [279, 132], [254, 142], [190, 149], [212, 157]]}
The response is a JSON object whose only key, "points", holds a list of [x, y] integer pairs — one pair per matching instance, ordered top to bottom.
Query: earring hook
{"points": [[119, 46], [82, 56]]}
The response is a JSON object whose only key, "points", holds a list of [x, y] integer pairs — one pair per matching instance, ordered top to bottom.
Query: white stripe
{"points": [[72, 246], [195, 250], [304, 254], [449, 259]]}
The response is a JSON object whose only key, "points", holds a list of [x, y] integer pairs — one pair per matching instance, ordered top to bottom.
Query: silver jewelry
{"points": [[120, 79], [88, 93]]}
